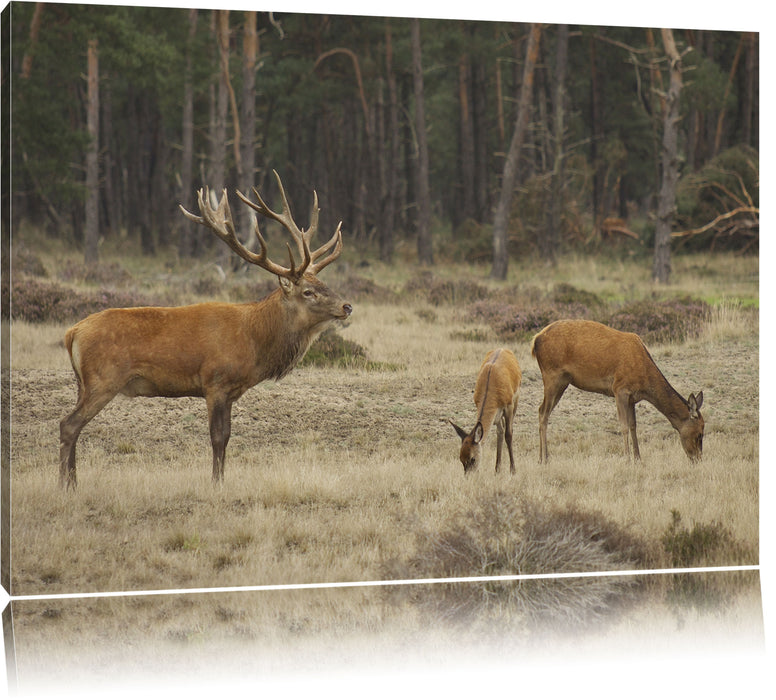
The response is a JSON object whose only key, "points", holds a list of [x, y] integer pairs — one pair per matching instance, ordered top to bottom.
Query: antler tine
{"points": [[219, 220], [331, 257]]}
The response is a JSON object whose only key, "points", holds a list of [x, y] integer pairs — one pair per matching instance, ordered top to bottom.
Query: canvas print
{"points": [[333, 337]]}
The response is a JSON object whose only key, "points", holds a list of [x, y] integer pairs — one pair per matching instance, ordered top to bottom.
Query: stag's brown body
{"points": [[214, 350], [599, 359], [495, 395]]}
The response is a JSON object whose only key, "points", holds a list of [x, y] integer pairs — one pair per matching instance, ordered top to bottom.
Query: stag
{"points": [[214, 350], [599, 359], [495, 395]]}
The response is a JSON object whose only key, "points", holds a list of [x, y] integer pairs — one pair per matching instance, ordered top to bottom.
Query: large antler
{"points": [[219, 220]]}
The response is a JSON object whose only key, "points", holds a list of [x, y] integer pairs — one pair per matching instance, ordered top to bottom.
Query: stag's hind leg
{"points": [[88, 406], [220, 419]]}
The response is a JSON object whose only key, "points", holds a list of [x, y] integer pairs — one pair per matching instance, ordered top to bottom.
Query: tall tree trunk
{"points": [[750, 87], [248, 119], [597, 124], [218, 153], [392, 174], [666, 205], [463, 207], [501, 220], [92, 224], [186, 237], [551, 240], [425, 250]]}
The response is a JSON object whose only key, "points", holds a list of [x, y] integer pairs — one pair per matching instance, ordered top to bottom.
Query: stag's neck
{"points": [[280, 340], [665, 398]]}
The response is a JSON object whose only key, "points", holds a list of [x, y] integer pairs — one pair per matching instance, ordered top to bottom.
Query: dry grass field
{"points": [[350, 473]]}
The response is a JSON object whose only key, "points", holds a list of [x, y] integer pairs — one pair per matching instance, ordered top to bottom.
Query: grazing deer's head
{"points": [[691, 429], [470, 446]]}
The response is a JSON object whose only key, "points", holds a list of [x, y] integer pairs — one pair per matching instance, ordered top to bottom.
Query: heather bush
{"points": [[27, 263], [106, 273], [439, 292], [37, 302], [671, 320], [513, 322], [330, 349], [502, 536]]}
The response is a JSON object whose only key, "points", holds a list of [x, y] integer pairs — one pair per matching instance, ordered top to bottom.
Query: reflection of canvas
{"points": [[316, 636]]}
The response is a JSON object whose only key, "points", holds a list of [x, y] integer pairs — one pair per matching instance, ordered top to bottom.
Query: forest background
{"points": [[449, 140]]}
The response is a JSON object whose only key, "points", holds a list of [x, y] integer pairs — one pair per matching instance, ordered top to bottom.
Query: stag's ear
{"points": [[286, 284], [461, 432]]}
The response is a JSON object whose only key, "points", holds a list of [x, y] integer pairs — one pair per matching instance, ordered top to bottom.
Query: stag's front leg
{"points": [[220, 419]]}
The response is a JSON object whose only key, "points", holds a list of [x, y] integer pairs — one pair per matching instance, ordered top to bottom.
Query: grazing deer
{"points": [[213, 350], [594, 357], [495, 395]]}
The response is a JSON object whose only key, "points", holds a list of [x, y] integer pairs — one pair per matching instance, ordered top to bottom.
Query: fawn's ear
{"points": [[695, 401], [461, 432], [477, 432]]}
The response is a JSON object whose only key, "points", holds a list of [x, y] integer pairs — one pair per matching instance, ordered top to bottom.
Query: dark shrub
{"points": [[105, 273], [439, 292], [564, 293], [36, 301], [672, 320], [512, 322], [331, 349], [502, 535], [705, 544]]}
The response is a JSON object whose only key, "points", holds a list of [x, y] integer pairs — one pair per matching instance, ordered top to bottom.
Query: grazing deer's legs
{"points": [[553, 390], [626, 410], [509, 416], [220, 418], [70, 427], [499, 439]]}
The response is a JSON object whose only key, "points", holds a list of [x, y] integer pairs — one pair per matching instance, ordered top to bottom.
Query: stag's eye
{"points": [[309, 293]]}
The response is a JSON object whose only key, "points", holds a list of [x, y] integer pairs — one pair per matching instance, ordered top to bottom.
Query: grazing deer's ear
{"points": [[695, 401], [461, 432], [477, 432]]}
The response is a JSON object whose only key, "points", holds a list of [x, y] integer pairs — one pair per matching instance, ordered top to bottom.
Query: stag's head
{"points": [[309, 299], [691, 429], [470, 446]]}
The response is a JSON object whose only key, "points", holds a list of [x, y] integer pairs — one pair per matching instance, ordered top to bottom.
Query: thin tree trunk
{"points": [[37, 16], [248, 119], [218, 153], [392, 175], [666, 206], [464, 207], [555, 210], [501, 220], [92, 224], [187, 238], [425, 250]]}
